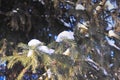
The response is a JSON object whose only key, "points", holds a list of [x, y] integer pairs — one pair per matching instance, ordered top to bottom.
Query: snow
{"points": [[42, 2], [110, 6], [79, 7], [98, 8], [14, 11], [110, 22], [65, 23], [82, 26], [111, 33], [65, 35], [34, 42], [111, 42], [38, 45], [45, 49], [67, 52], [30, 53], [112, 54], [92, 63], [111, 65], [96, 66], [104, 71], [49, 73]]}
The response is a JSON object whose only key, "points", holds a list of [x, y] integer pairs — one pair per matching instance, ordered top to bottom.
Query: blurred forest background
{"points": [[93, 54]]}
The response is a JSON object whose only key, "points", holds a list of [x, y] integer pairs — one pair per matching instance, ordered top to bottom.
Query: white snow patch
{"points": [[79, 7], [65, 35], [34, 42], [45, 49]]}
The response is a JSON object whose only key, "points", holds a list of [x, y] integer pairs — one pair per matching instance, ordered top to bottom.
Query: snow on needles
{"points": [[110, 6], [79, 7], [65, 35], [34, 42], [111, 42], [38, 45], [45, 49]]}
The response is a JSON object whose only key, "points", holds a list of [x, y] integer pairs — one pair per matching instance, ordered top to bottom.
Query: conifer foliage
{"points": [[87, 45]]}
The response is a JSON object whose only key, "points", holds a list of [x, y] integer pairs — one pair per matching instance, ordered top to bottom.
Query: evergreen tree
{"points": [[93, 54]]}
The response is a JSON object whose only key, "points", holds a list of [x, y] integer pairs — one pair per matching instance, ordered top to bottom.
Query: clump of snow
{"points": [[109, 6], [79, 7], [14, 11], [65, 35], [34, 42], [38, 45], [45, 49]]}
